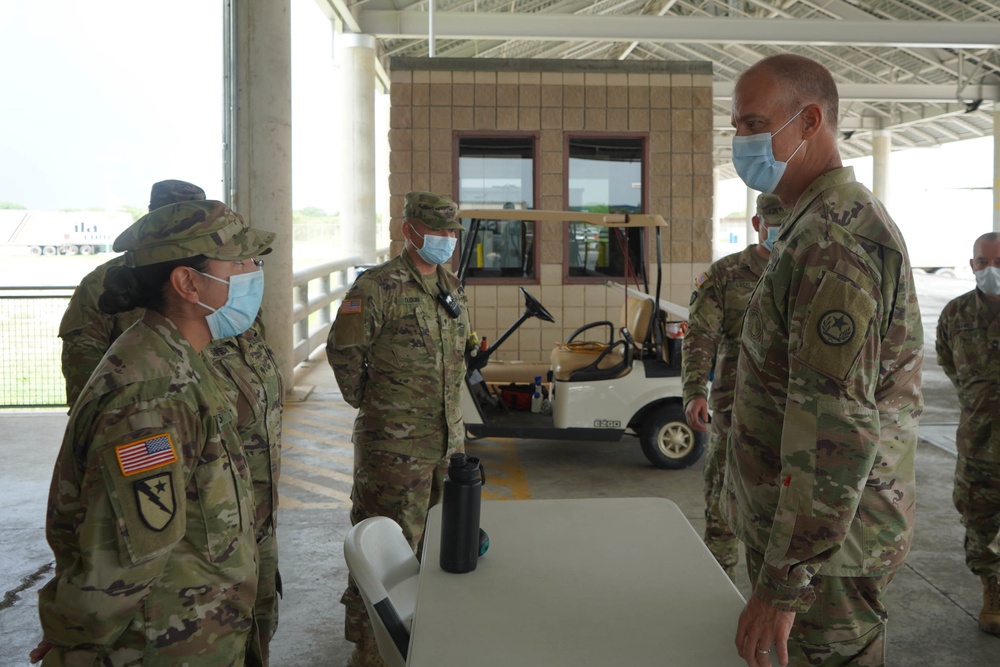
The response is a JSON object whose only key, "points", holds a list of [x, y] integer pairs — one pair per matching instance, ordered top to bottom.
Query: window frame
{"points": [[568, 135], [535, 137]]}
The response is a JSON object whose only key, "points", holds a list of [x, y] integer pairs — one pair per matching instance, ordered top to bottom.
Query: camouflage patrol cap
{"points": [[171, 192], [771, 210], [435, 211], [188, 229]]}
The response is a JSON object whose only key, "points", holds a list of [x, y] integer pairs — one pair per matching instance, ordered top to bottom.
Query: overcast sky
{"points": [[101, 99]]}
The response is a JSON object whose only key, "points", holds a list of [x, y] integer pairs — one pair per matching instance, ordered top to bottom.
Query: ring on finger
{"points": [[763, 652]]}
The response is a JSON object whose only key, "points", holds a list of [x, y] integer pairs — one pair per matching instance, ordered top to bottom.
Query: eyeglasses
{"points": [[257, 262]]}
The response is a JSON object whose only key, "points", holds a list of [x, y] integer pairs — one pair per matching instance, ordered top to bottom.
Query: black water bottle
{"points": [[460, 505]]}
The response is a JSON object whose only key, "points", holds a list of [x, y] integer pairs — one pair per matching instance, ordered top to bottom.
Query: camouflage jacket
{"points": [[717, 306], [87, 332], [968, 339], [400, 358], [253, 384], [820, 476], [150, 515]]}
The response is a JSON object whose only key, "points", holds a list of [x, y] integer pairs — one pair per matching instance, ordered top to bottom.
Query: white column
{"points": [[356, 56], [881, 149], [996, 166], [262, 187], [751, 212], [716, 215]]}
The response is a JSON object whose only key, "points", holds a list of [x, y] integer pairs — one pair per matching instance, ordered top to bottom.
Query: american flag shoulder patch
{"points": [[700, 279], [349, 307], [143, 455]]}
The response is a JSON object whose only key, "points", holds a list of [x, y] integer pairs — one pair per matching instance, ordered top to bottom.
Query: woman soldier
{"points": [[151, 508]]}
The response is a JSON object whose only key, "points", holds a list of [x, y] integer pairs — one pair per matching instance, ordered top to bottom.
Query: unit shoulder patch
{"points": [[835, 327], [147, 454], [154, 497]]}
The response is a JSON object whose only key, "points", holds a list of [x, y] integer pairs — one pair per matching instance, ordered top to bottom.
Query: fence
{"points": [[316, 292], [30, 349], [30, 369]]}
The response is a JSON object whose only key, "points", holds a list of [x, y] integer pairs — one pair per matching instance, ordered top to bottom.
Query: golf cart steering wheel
{"points": [[534, 308]]}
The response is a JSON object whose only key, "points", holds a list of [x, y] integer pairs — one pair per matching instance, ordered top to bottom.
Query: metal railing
{"points": [[316, 295], [30, 349], [30, 363]]}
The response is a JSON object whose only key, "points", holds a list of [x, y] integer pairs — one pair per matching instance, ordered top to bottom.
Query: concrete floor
{"points": [[933, 601]]}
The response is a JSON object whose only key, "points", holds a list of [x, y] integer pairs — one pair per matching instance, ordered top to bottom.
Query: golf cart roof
{"points": [[603, 219]]}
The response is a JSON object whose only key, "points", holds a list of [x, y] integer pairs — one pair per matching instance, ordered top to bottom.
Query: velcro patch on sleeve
{"points": [[700, 280], [350, 307], [837, 326], [148, 454]]}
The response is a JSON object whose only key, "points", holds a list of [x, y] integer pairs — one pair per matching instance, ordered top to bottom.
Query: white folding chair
{"points": [[385, 569]]}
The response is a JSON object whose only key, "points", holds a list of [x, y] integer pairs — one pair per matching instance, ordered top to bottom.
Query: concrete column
{"points": [[356, 57], [881, 149], [996, 166], [262, 187], [751, 212], [716, 214]]}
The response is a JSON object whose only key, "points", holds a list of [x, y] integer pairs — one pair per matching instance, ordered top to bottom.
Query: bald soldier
{"points": [[86, 332], [968, 340], [711, 347], [397, 348], [820, 480]]}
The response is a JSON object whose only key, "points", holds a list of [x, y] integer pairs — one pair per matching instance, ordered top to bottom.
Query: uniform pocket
{"points": [[837, 326], [221, 503]]}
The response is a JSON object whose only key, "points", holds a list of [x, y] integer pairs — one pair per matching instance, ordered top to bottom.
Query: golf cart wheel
{"points": [[668, 441]]}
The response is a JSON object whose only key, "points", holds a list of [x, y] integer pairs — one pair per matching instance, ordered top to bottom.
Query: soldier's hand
{"points": [[696, 414], [761, 630], [39, 651]]}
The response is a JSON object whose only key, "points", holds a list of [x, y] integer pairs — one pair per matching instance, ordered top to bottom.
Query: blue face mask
{"points": [[754, 159], [772, 236], [437, 249], [988, 280], [246, 291]]}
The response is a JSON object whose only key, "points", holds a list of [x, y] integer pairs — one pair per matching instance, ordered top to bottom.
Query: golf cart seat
{"points": [[581, 360], [518, 372]]}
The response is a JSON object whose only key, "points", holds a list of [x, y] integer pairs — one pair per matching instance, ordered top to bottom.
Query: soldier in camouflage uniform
{"points": [[86, 332], [713, 336], [968, 337], [397, 348], [253, 384], [820, 478], [151, 506]]}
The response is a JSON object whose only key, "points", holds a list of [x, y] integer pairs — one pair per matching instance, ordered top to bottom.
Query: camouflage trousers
{"points": [[401, 487], [977, 498], [719, 539], [265, 611], [844, 627]]}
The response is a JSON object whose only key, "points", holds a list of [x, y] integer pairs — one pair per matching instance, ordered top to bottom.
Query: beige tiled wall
{"points": [[671, 103]]}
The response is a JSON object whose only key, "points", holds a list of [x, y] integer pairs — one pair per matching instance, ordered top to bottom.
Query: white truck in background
{"points": [[941, 226], [62, 232]]}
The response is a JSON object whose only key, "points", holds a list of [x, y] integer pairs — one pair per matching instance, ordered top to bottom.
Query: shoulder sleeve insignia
{"points": [[701, 279], [350, 307], [835, 327], [148, 454], [154, 497]]}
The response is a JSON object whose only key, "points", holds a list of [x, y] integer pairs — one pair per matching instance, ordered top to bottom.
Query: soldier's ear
{"points": [[182, 280]]}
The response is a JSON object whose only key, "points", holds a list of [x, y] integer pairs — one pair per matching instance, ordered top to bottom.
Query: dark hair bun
{"points": [[121, 291]]}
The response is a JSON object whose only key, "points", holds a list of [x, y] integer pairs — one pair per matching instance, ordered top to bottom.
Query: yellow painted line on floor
{"points": [[326, 419], [339, 443], [323, 454], [322, 472], [505, 479], [318, 489], [286, 503]]}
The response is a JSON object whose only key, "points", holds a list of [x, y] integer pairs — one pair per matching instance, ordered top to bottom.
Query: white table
{"points": [[622, 581]]}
